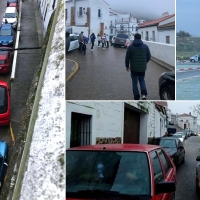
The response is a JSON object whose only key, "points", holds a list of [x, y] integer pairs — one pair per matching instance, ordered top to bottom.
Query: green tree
{"points": [[183, 34]]}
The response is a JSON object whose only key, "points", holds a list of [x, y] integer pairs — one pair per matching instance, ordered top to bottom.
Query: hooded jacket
{"points": [[92, 37], [137, 55]]}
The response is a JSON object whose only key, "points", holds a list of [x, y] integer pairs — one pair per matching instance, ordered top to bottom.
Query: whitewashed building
{"points": [[46, 9], [87, 16], [161, 30], [187, 121], [90, 123]]}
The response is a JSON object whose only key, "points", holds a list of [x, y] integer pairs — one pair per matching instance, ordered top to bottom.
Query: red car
{"points": [[14, 5], [6, 58], [4, 104], [120, 171]]}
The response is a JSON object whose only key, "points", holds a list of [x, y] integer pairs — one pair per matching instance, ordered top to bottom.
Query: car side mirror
{"points": [[181, 147], [198, 158], [5, 164], [165, 187]]}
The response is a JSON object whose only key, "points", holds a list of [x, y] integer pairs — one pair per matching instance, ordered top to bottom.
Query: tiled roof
{"points": [[155, 22], [167, 25], [161, 103], [185, 115]]}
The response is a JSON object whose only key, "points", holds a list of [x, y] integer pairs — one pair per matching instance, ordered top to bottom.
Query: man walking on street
{"points": [[92, 37], [81, 41], [137, 56]]}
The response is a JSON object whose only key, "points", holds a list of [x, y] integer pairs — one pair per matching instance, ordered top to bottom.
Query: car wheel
{"points": [[193, 61], [165, 94]]}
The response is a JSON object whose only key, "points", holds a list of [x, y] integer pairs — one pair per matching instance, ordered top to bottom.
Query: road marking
{"points": [[74, 72], [12, 135]]}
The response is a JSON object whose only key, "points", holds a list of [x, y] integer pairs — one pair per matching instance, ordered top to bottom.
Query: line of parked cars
{"points": [[7, 41]]}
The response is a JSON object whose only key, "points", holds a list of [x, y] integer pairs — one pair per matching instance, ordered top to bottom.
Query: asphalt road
{"points": [[187, 74], [103, 76], [185, 189]]}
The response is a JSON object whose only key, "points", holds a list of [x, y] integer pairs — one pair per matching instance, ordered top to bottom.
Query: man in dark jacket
{"points": [[92, 37], [80, 40], [137, 57]]}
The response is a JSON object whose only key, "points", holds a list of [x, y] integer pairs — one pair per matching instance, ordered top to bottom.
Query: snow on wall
{"points": [[44, 176]]}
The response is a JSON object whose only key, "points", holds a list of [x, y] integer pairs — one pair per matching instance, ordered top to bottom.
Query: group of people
{"points": [[137, 57]]}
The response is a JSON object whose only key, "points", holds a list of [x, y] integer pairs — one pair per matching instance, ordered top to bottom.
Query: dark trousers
{"points": [[99, 43], [107, 43], [103, 44], [92, 45], [80, 46], [138, 76]]}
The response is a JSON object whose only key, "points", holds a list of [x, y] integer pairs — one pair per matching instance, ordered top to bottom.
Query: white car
{"points": [[11, 16], [73, 42], [195, 58], [179, 135]]}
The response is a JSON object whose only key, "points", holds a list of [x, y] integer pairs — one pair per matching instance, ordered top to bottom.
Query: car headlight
{"points": [[10, 41]]}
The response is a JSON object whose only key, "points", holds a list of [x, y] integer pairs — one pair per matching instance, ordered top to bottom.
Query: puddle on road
{"points": [[188, 89]]}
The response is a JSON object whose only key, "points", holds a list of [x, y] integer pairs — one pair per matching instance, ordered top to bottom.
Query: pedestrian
{"points": [[92, 37], [99, 39], [103, 40], [81, 41], [107, 41], [127, 43], [84, 47], [137, 57], [182, 57]]}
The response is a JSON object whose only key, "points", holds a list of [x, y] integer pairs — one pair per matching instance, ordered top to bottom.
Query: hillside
{"points": [[187, 46]]}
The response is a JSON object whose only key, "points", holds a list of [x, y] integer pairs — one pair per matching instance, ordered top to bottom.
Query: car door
{"points": [[72, 44], [76, 44], [180, 150], [162, 171]]}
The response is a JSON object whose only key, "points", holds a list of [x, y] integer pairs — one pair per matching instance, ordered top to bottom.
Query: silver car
{"points": [[120, 39]]}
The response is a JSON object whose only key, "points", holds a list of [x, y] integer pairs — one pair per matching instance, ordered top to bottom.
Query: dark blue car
{"points": [[6, 35], [3, 160]]}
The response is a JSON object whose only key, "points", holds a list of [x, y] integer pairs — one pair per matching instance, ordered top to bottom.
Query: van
{"points": [[11, 16], [195, 58]]}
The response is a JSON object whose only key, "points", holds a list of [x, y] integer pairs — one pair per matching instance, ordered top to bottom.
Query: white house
{"points": [[46, 9], [87, 16], [161, 30], [187, 121], [113, 122]]}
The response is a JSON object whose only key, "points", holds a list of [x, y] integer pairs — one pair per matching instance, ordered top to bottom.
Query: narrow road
{"points": [[187, 74]]}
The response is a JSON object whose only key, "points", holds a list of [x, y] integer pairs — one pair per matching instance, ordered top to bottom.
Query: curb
{"points": [[185, 69], [74, 72]]}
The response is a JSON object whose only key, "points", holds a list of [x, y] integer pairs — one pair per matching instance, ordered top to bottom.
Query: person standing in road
{"points": [[92, 37], [99, 39], [103, 40], [81, 41], [107, 41], [137, 57]]}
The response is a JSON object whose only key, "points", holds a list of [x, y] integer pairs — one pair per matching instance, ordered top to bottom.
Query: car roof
{"points": [[12, 4], [6, 26], [3, 83], [164, 138], [118, 147]]}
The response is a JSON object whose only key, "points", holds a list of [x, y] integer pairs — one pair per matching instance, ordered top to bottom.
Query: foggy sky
{"points": [[143, 9], [187, 16], [181, 107]]}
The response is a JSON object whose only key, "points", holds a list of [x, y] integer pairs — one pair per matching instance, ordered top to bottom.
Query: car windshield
{"points": [[10, 15], [4, 32], [122, 35], [3, 100], [177, 135], [167, 143], [122, 173]]}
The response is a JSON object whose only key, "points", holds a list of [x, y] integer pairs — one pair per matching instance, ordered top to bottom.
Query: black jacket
{"points": [[137, 55]]}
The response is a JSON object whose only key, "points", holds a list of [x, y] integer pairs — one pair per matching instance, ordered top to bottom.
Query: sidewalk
{"points": [[70, 67]]}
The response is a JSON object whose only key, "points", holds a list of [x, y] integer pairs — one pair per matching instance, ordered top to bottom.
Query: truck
{"points": [[195, 58]]}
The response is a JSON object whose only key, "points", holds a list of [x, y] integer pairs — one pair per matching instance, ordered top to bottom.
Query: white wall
{"points": [[150, 32], [162, 36], [163, 52], [106, 118]]}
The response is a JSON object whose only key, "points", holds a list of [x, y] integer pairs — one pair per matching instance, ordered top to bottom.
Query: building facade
{"points": [[90, 123]]}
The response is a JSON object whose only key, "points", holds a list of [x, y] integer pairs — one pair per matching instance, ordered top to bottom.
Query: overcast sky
{"points": [[143, 9], [187, 16], [181, 107]]}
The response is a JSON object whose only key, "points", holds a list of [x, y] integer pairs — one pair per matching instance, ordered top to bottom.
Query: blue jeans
{"points": [[138, 76]]}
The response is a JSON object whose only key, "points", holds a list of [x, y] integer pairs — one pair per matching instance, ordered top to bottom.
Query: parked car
{"points": [[11, 1], [14, 5], [11, 16], [6, 35], [120, 39], [112, 40], [67, 41], [73, 42], [6, 58], [195, 58], [167, 86], [4, 103], [194, 133], [185, 135], [180, 136], [173, 146], [3, 161], [119, 171]]}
